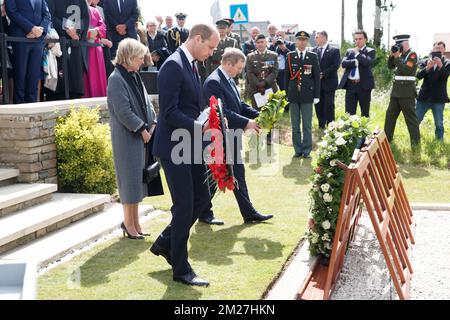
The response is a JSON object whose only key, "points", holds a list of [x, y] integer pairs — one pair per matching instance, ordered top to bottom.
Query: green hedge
{"points": [[84, 154]]}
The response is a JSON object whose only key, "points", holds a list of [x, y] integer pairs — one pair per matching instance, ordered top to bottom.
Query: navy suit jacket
{"points": [[128, 15], [23, 17], [366, 60], [329, 65], [180, 104], [237, 112]]}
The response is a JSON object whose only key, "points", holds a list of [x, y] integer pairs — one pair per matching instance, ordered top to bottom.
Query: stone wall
{"points": [[27, 136]]}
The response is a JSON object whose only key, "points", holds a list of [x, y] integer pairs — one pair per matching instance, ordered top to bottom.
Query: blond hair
{"points": [[128, 50]]}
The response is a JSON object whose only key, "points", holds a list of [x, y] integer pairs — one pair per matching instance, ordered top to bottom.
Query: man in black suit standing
{"points": [[121, 17], [29, 19], [178, 35], [250, 45], [330, 60], [358, 78], [433, 93], [240, 117], [178, 145]]}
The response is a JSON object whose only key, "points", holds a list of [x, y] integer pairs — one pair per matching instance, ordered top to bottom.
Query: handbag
{"points": [[151, 172]]}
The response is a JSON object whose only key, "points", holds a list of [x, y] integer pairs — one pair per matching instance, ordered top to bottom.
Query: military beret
{"points": [[181, 15], [223, 22], [302, 35], [260, 37], [401, 38]]}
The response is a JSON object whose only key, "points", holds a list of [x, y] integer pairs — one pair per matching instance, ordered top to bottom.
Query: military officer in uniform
{"points": [[179, 34], [232, 34], [215, 60], [262, 69], [303, 90], [403, 97]]}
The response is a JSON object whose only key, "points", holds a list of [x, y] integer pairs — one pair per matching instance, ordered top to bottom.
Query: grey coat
{"points": [[128, 146]]}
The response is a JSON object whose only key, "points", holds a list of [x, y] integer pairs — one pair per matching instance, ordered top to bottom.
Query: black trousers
{"points": [[281, 80], [355, 93], [325, 108], [190, 195], [241, 195]]}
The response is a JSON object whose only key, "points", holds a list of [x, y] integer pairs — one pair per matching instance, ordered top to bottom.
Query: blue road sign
{"points": [[239, 13]]}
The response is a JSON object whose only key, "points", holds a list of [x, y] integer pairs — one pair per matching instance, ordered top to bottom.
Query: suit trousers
{"points": [[27, 71], [354, 94], [407, 106], [325, 108], [301, 114], [240, 193], [190, 196]]}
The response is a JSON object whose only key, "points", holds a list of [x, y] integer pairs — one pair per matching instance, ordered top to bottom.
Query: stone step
{"points": [[7, 174], [20, 196], [34, 222], [54, 246]]}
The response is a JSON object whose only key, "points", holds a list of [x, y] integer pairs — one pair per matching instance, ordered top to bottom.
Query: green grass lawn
{"points": [[240, 261]]}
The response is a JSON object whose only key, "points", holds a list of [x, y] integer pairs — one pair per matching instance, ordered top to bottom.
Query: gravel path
{"points": [[365, 275]]}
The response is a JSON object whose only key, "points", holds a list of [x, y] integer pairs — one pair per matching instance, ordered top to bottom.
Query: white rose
{"points": [[354, 118], [340, 124], [332, 126], [341, 141], [323, 144], [333, 163], [329, 175], [325, 187], [327, 197], [326, 225], [326, 237], [315, 240], [328, 246]]}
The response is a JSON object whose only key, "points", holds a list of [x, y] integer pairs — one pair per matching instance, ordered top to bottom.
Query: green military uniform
{"points": [[213, 62], [262, 72], [303, 87], [404, 93]]}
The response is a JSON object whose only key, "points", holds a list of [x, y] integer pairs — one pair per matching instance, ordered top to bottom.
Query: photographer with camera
{"points": [[282, 47], [433, 93], [403, 96]]}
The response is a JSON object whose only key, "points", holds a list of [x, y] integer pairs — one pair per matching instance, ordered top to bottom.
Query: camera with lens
{"points": [[279, 41], [396, 48]]}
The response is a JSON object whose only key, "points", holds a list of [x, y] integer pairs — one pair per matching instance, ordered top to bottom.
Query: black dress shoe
{"points": [[296, 156], [307, 156], [257, 217], [212, 221], [159, 251], [191, 279]]}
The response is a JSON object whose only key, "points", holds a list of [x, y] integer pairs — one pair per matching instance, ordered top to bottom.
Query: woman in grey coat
{"points": [[133, 122]]}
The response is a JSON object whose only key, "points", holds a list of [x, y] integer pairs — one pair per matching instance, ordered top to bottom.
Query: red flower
{"points": [[218, 164], [318, 170]]}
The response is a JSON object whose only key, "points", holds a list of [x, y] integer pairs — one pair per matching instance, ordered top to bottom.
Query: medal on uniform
{"points": [[307, 69], [295, 75]]}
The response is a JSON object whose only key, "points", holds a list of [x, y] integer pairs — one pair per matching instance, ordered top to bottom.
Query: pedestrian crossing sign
{"points": [[239, 13]]}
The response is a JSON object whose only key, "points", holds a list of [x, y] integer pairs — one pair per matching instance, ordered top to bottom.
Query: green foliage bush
{"points": [[84, 154]]}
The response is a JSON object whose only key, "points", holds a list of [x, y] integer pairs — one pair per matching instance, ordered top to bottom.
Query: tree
{"points": [[381, 6], [359, 10], [343, 23]]}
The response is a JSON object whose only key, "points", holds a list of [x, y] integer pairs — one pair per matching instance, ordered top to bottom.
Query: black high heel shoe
{"points": [[126, 234], [144, 234]]}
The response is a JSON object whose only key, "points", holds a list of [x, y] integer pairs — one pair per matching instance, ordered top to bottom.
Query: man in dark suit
{"points": [[70, 18], [120, 18], [29, 19], [178, 35], [250, 45], [330, 60], [358, 78], [303, 90], [433, 93], [181, 102], [240, 117]]}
